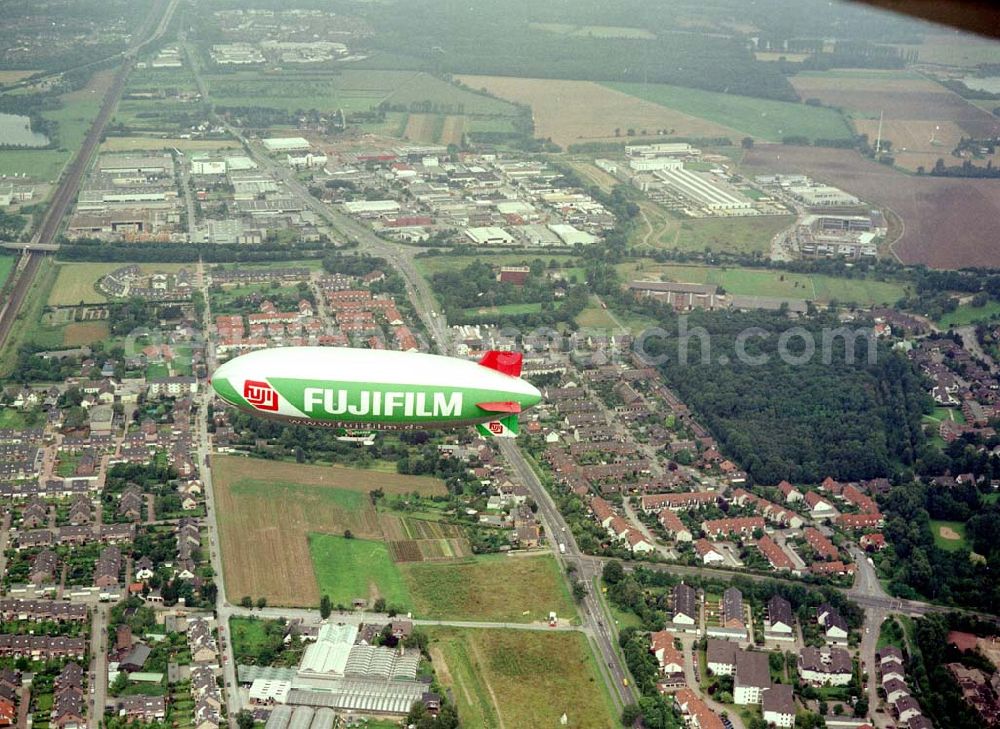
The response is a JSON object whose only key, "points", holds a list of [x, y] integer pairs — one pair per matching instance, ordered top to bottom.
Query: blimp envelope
{"points": [[377, 389]]}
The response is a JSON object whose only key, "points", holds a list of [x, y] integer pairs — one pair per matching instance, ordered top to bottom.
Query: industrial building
{"points": [[286, 144], [700, 192], [816, 195], [489, 235], [336, 675]]}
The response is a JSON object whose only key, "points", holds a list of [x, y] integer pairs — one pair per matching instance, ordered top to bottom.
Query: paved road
{"points": [[223, 609], [592, 611], [98, 664]]}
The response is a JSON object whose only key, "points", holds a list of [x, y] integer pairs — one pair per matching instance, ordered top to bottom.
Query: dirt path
{"points": [[441, 666], [486, 683]]}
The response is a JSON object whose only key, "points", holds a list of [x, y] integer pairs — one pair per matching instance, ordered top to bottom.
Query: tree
{"points": [[747, 143], [348, 534], [613, 572], [579, 590], [246, 601], [261, 603], [379, 605], [325, 608], [119, 684], [630, 713], [244, 719]]}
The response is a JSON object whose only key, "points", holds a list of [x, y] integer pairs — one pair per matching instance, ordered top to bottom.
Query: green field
{"points": [[351, 90], [761, 118], [735, 235], [6, 266], [764, 282], [512, 309], [967, 314], [30, 316], [950, 545], [356, 568], [492, 588], [509, 678]]}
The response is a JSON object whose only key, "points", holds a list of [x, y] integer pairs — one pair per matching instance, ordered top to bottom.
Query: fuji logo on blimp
{"points": [[378, 389]]}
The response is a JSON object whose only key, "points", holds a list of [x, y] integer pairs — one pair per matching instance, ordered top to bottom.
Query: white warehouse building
{"points": [[286, 144]]}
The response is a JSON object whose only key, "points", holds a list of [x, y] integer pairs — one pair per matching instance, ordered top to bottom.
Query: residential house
{"points": [[790, 493], [819, 507], [739, 526], [674, 527], [874, 542], [820, 544], [708, 553], [775, 555], [684, 617], [731, 618], [779, 624], [834, 626], [721, 657], [669, 658], [831, 667], [752, 677], [779, 706], [146, 709], [696, 713]]}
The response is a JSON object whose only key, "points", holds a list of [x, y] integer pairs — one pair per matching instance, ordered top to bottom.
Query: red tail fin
{"points": [[507, 362]]}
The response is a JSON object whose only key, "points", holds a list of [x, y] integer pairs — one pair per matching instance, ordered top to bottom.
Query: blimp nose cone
{"points": [[220, 381]]}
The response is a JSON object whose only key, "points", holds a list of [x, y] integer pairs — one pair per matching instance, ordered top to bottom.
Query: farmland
{"points": [[572, 112], [761, 118], [923, 120], [948, 223], [76, 281], [763, 282], [266, 509], [412, 539], [355, 568], [493, 588], [521, 678]]}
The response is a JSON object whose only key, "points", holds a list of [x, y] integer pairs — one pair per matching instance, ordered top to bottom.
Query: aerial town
{"points": [[747, 282]]}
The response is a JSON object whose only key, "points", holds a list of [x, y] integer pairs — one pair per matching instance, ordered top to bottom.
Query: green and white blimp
{"points": [[368, 389]]}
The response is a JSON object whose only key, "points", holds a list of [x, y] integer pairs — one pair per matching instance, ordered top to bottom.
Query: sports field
{"points": [[572, 112], [760, 118], [76, 281], [764, 282], [967, 313], [266, 509], [949, 535], [356, 568], [496, 588], [502, 679]]}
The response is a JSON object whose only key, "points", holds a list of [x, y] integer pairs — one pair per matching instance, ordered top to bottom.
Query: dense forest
{"points": [[790, 419]]}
